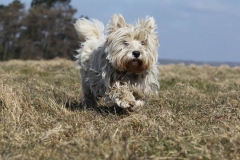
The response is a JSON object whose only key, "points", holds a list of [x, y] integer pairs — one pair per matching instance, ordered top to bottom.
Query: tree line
{"points": [[44, 31]]}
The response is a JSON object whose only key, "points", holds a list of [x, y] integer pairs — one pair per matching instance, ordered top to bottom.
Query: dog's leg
{"points": [[122, 95], [89, 100], [139, 100]]}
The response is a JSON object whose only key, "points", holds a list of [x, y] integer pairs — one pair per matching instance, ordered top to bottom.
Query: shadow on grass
{"points": [[104, 110]]}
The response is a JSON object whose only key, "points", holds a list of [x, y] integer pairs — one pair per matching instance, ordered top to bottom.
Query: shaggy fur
{"points": [[121, 66]]}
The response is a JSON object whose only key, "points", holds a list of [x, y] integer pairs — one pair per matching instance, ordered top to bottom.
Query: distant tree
{"points": [[48, 3], [82, 16], [10, 29], [49, 31], [44, 32]]}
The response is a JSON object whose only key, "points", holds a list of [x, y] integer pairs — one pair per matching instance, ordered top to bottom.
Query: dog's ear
{"points": [[116, 23], [149, 24]]}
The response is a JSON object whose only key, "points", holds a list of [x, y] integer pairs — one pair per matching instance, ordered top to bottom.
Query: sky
{"points": [[198, 30]]}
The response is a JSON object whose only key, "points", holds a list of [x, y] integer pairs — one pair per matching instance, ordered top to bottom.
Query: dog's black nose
{"points": [[136, 54]]}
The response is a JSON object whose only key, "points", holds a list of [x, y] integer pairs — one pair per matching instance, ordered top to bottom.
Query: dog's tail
{"points": [[88, 30], [91, 35]]}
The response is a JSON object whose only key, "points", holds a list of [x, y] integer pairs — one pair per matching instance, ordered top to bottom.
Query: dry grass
{"points": [[196, 116]]}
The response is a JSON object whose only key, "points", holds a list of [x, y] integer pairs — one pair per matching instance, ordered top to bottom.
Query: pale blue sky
{"points": [[200, 30]]}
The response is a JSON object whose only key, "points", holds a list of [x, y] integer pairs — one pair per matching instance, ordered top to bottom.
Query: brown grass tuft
{"points": [[196, 116]]}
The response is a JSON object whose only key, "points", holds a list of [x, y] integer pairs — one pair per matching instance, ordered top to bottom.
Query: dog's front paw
{"points": [[124, 104], [138, 104], [132, 105]]}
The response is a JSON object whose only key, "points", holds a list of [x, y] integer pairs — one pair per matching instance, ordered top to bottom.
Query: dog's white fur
{"points": [[108, 66]]}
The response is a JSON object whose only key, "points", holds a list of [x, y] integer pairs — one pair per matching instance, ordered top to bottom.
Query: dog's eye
{"points": [[126, 43], [142, 43]]}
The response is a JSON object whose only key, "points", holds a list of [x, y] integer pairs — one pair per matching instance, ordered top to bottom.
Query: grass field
{"points": [[195, 116]]}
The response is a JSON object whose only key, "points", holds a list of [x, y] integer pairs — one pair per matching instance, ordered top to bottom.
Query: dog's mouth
{"points": [[135, 60], [135, 65]]}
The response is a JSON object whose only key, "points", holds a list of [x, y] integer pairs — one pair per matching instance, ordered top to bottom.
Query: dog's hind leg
{"points": [[89, 100]]}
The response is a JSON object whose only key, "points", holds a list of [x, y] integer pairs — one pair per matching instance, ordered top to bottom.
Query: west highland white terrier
{"points": [[121, 66]]}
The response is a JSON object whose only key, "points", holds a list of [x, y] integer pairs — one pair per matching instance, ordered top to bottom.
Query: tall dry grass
{"points": [[195, 116]]}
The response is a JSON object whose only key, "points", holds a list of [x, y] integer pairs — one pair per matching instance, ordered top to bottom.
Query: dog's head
{"points": [[132, 48]]}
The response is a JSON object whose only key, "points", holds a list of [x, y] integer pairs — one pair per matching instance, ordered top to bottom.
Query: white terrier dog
{"points": [[121, 66]]}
